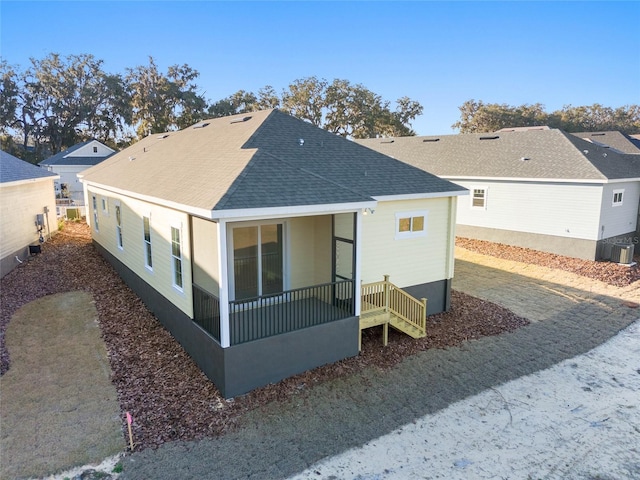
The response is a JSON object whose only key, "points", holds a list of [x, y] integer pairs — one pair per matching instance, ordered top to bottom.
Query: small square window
{"points": [[95, 149], [618, 196], [411, 224]]}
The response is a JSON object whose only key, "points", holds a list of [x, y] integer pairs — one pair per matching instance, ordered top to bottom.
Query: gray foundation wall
{"points": [[570, 247], [9, 262], [438, 295], [241, 368]]}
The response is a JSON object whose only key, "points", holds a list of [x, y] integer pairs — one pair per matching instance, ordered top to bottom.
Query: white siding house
{"points": [[70, 162], [542, 189], [27, 209], [256, 235]]}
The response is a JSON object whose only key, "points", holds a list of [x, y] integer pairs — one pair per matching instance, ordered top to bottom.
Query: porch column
{"points": [[358, 253], [225, 339]]}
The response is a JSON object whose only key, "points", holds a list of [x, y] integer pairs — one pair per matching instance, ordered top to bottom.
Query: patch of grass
{"points": [[58, 380], [117, 468]]}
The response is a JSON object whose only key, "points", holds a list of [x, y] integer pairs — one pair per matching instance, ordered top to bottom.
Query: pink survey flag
{"points": [[129, 419]]}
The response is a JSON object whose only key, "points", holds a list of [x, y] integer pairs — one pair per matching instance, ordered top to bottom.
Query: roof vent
{"points": [[240, 120], [201, 125], [598, 134], [164, 135], [493, 137], [431, 140], [301, 141], [387, 141], [585, 151], [131, 159], [524, 159]]}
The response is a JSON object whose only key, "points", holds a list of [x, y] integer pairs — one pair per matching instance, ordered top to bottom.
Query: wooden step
{"points": [[406, 327]]}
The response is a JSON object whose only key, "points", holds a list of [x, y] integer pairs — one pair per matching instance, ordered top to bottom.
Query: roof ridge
{"points": [[575, 141]]}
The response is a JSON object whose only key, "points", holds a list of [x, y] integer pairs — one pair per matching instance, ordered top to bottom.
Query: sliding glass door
{"points": [[258, 261]]}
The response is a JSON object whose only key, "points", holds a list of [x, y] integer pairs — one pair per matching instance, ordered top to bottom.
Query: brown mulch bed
{"points": [[605, 271], [157, 382]]}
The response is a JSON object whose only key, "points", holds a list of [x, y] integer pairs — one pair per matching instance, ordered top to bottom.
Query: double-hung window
{"points": [[479, 198], [94, 203], [411, 224], [119, 241], [176, 257], [148, 258]]}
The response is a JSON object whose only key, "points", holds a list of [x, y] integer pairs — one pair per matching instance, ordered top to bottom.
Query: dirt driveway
{"points": [[572, 315]]}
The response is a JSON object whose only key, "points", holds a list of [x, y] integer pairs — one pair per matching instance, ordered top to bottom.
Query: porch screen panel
{"points": [[343, 225], [271, 243], [344, 260], [245, 262]]}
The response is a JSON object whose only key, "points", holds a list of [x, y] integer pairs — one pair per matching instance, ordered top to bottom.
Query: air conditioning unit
{"points": [[622, 253]]}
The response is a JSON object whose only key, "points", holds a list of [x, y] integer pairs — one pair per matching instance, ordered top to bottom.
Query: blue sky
{"points": [[438, 53]]}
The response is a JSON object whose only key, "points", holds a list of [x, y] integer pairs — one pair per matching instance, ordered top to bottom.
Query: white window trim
{"points": [[486, 194], [613, 198], [104, 203], [178, 227], [411, 234], [119, 237], [148, 244], [286, 274]]}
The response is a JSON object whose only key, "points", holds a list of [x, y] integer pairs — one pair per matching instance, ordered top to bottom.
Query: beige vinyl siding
{"points": [[19, 205], [564, 210], [620, 219], [310, 251], [133, 253], [408, 261], [206, 263]]}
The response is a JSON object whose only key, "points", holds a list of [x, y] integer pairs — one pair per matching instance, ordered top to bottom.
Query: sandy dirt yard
{"points": [[579, 419]]}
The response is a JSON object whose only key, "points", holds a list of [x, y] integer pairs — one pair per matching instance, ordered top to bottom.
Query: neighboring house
{"points": [[615, 141], [72, 161], [537, 188], [27, 209], [249, 238]]}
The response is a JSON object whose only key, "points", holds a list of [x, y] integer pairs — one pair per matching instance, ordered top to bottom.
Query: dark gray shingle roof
{"points": [[615, 140], [534, 154], [261, 162], [13, 169]]}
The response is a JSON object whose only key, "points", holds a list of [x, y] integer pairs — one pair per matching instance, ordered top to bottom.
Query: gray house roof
{"points": [[617, 141], [532, 154], [63, 157], [258, 160], [13, 169]]}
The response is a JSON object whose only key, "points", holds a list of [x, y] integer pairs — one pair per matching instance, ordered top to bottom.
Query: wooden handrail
{"points": [[385, 296]]}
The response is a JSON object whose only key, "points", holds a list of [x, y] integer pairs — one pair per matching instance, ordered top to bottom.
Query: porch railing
{"points": [[384, 296], [206, 311], [261, 317]]}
